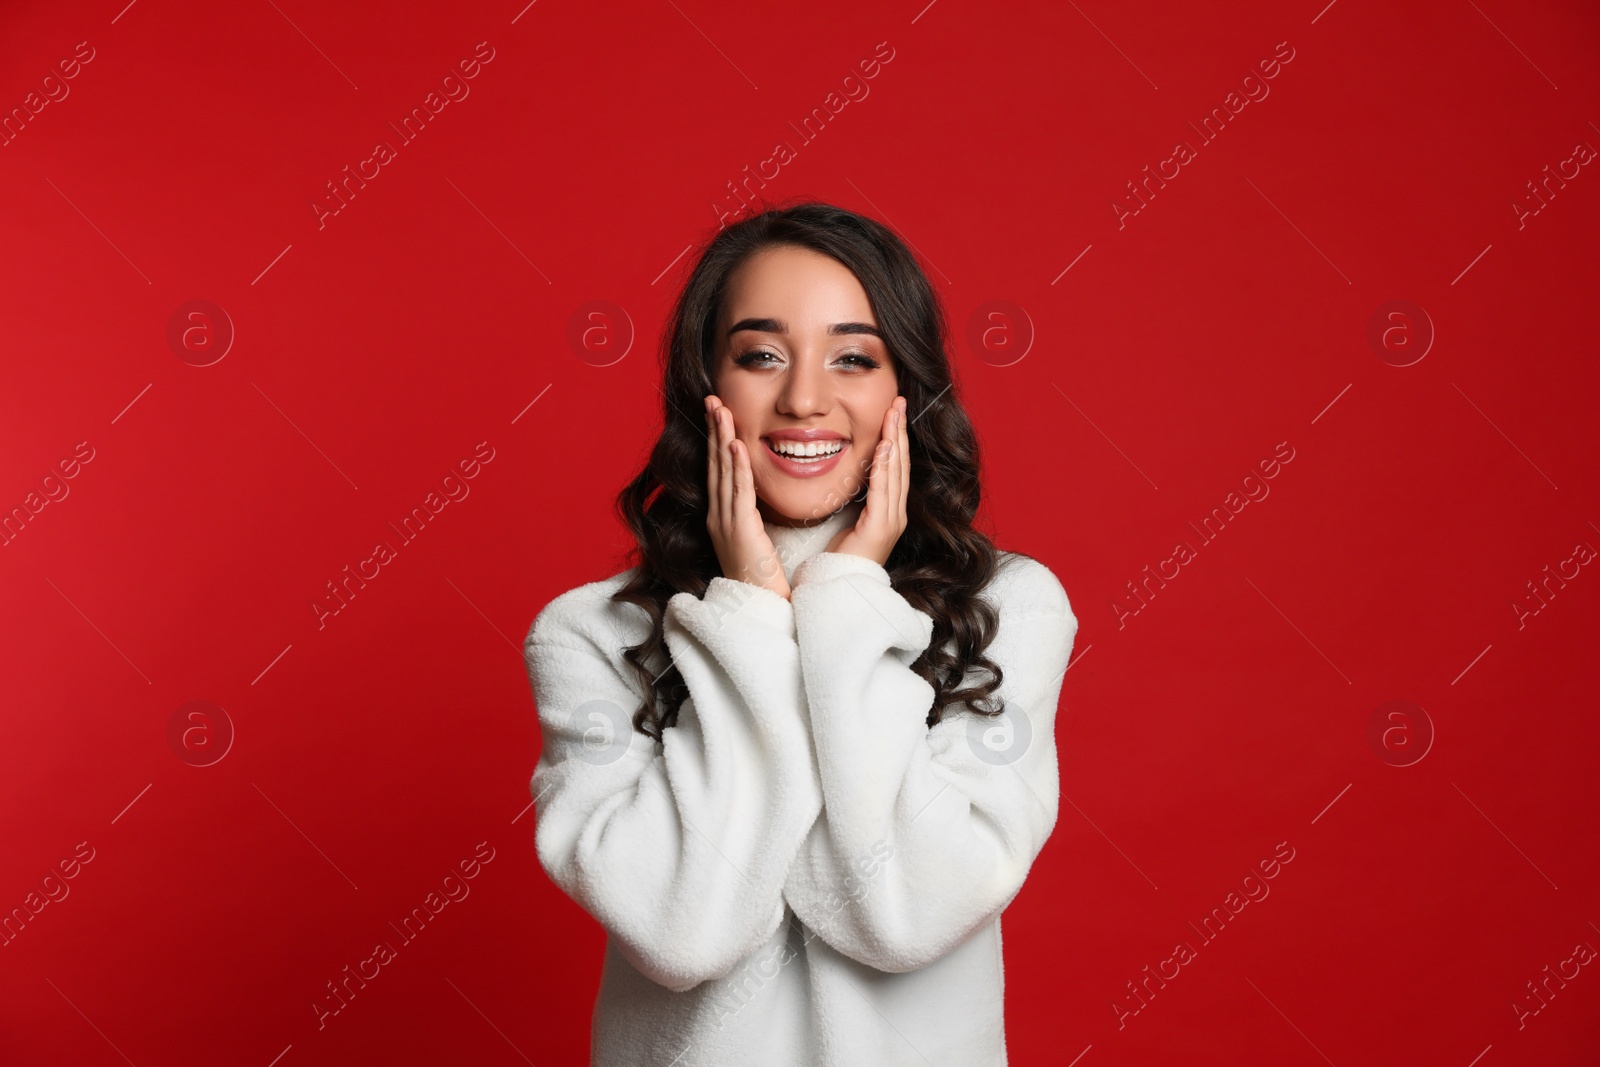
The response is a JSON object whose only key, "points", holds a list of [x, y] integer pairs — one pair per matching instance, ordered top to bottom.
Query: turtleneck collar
{"points": [[796, 544]]}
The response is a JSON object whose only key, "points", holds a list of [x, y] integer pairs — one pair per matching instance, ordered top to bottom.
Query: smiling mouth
{"points": [[809, 452]]}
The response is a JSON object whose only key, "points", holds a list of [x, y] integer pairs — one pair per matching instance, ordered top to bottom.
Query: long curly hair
{"points": [[939, 564]]}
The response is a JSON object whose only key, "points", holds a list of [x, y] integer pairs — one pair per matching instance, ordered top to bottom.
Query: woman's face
{"points": [[797, 350]]}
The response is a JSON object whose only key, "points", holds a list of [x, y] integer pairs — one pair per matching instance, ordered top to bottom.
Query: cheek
{"points": [[739, 400], [868, 420]]}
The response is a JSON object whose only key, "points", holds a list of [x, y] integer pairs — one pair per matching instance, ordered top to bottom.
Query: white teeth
{"points": [[813, 448]]}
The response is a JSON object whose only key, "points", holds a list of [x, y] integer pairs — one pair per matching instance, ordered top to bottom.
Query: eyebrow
{"points": [[779, 326]]}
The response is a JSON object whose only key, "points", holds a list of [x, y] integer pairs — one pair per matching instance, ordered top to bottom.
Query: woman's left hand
{"points": [[883, 519]]}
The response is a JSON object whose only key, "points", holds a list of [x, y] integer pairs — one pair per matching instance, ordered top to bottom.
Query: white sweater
{"points": [[803, 872]]}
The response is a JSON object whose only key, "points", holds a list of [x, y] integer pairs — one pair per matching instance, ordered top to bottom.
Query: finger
{"points": [[714, 458], [738, 460], [905, 461], [725, 463], [713, 482], [744, 483], [878, 486], [892, 487], [896, 487], [744, 495]]}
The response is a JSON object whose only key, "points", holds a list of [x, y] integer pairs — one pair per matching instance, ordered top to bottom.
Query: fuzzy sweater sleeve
{"points": [[926, 833], [678, 850]]}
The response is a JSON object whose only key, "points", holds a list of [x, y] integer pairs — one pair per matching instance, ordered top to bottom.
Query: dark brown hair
{"points": [[940, 563]]}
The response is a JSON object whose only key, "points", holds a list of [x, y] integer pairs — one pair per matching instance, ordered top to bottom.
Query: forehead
{"points": [[797, 285]]}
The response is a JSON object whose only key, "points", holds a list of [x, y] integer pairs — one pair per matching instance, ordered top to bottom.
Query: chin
{"points": [[812, 504]]}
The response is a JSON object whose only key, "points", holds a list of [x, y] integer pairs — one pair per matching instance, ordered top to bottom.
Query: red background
{"points": [[375, 351]]}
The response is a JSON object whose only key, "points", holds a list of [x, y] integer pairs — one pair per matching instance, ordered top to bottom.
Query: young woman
{"points": [[799, 758]]}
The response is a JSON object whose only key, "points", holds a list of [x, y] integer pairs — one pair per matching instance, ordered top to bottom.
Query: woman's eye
{"points": [[761, 357]]}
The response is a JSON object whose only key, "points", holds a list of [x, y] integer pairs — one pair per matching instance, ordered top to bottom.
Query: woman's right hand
{"points": [[743, 548]]}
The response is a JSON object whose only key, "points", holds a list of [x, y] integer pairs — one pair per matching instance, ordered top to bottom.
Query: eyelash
{"points": [[747, 359]]}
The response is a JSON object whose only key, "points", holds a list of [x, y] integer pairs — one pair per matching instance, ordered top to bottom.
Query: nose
{"points": [[806, 389]]}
